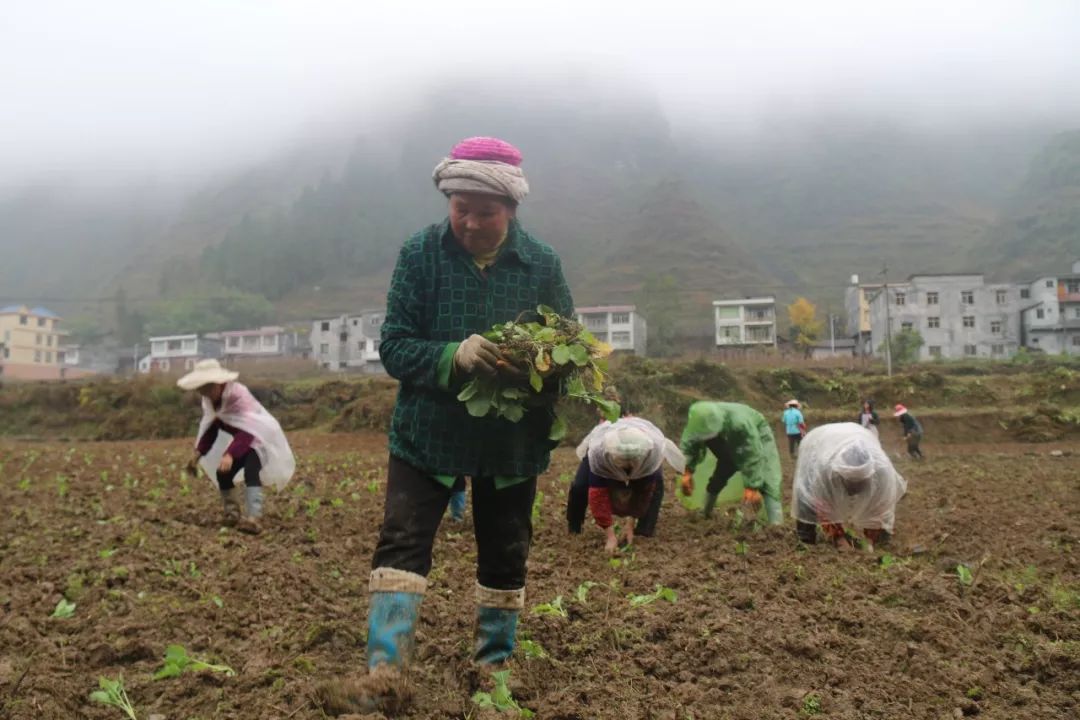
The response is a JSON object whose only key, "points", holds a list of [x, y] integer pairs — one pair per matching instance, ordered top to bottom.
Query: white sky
{"points": [[166, 88]]}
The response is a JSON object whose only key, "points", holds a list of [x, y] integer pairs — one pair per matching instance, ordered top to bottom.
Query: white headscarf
{"points": [[481, 176], [633, 443]]}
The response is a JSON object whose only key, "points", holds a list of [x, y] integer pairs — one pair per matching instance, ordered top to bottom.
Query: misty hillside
{"points": [[793, 210], [1039, 230]]}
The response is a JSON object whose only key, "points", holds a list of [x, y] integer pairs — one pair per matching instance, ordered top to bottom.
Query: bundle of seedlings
{"points": [[551, 358]]}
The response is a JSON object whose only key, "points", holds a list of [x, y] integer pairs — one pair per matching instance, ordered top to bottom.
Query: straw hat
{"points": [[206, 372], [792, 403]]}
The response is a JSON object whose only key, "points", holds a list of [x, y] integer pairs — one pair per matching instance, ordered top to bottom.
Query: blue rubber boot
{"points": [[457, 506], [395, 603], [496, 624], [391, 629]]}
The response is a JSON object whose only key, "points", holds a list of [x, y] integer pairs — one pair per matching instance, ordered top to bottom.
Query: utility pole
{"points": [[888, 320], [832, 334]]}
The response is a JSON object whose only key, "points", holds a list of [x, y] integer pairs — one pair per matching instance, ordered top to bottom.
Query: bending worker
{"points": [[742, 441], [622, 469], [843, 477]]}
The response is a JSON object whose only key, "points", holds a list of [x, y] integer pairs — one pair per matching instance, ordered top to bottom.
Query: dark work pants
{"points": [[913, 440], [793, 444], [250, 464], [415, 504], [577, 504]]}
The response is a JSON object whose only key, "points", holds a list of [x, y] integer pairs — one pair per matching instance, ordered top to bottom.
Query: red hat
{"points": [[899, 409]]}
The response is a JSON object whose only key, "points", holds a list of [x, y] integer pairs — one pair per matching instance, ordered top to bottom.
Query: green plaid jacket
{"points": [[437, 298]]}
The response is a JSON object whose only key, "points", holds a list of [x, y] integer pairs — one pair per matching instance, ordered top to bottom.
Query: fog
{"points": [[113, 91]]}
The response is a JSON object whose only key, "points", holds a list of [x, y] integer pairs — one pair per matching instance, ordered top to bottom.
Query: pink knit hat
{"points": [[486, 149], [899, 410]]}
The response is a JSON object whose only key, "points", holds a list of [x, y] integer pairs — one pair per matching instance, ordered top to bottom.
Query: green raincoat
{"points": [[747, 434]]}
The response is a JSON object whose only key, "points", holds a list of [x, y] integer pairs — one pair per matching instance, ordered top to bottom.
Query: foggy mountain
{"points": [[792, 210], [1039, 228]]}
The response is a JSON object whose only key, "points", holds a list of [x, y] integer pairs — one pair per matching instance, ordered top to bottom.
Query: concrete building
{"points": [[857, 306], [1050, 311], [958, 315], [749, 322], [619, 325], [348, 342], [266, 343], [30, 344], [833, 349], [179, 353], [98, 358]]}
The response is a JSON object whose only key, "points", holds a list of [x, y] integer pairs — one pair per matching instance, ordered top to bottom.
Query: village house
{"points": [[745, 323], [621, 326], [348, 342], [30, 344], [179, 353]]}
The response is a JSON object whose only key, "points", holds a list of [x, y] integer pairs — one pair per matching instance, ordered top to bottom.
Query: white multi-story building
{"points": [[1050, 310], [749, 322], [622, 326], [272, 342], [348, 342], [179, 353]]}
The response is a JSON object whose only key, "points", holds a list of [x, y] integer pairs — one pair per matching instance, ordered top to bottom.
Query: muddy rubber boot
{"points": [[232, 501], [710, 503], [457, 506], [772, 511], [250, 523], [395, 603], [496, 624]]}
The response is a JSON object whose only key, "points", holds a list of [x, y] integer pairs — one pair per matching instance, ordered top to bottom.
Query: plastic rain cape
{"points": [[241, 410], [748, 434], [631, 441], [844, 476]]}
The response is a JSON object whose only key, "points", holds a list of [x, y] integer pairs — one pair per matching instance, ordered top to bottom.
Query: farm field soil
{"points": [[762, 627]]}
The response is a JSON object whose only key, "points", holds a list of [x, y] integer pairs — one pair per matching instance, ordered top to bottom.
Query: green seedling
{"points": [[62, 485], [373, 486], [337, 502], [311, 507], [741, 548], [106, 553], [887, 561], [963, 574], [582, 592], [662, 593], [555, 607], [64, 609], [532, 649], [177, 662], [112, 693], [501, 698], [811, 705]]}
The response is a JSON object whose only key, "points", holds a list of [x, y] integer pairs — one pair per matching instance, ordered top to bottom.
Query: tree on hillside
{"points": [[660, 304], [805, 326], [905, 347]]}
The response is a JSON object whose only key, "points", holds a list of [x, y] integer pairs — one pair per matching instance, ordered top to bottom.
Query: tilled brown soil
{"points": [[761, 628]]}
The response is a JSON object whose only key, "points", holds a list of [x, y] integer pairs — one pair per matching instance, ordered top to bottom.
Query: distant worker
{"points": [[868, 417], [794, 425], [913, 431], [237, 434], [742, 442], [622, 469], [844, 478]]}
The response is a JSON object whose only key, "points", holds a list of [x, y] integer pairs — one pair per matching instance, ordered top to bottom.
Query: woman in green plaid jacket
{"points": [[452, 282]]}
